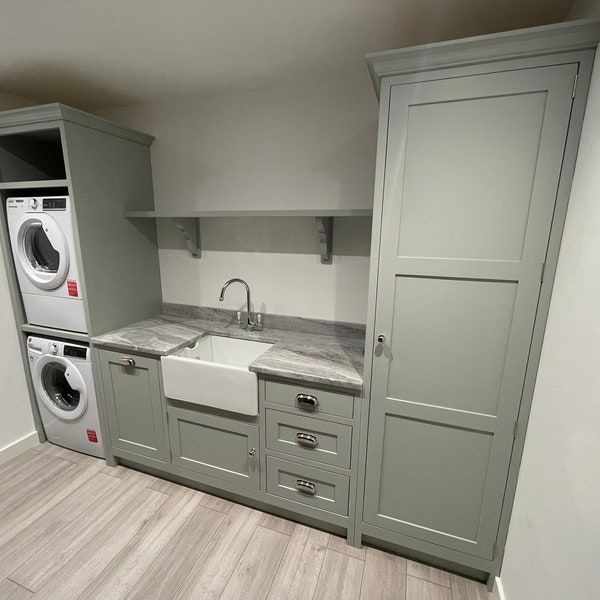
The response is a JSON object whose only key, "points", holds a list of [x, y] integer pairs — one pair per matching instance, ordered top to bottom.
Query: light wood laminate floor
{"points": [[72, 528]]}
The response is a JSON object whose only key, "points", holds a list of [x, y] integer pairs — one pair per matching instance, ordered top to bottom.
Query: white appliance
{"points": [[43, 245], [64, 388]]}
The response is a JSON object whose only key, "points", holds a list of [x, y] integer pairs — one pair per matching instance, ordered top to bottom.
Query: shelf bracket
{"points": [[189, 227], [325, 233]]}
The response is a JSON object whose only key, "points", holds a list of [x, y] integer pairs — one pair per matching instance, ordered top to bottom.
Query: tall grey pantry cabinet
{"points": [[477, 145], [54, 150]]}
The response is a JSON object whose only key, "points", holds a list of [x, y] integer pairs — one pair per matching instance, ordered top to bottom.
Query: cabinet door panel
{"points": [[471, 174], [134, 404], [216, 446]]}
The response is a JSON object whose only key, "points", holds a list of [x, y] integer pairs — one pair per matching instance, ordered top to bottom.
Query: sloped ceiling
{"points": [[97, 54]]}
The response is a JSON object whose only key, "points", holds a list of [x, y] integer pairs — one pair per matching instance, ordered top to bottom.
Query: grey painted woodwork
{"points": [[105, 168], [428, 266], [459, 275], [133, 400], [319, 402], [309, 438], [214, 445], [308, 485]]}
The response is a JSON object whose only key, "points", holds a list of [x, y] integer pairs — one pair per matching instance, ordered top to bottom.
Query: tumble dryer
{"points": [[43, 246], [64, 388]]}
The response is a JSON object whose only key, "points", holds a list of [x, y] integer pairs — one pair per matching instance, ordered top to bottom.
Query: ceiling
{"points": [[97, 54]]}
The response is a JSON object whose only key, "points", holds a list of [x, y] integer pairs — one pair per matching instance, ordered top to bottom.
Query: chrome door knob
{"points": [[381, 338]]}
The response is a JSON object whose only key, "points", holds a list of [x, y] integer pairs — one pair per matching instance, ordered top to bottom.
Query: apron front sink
{"points": [[214, 372]]}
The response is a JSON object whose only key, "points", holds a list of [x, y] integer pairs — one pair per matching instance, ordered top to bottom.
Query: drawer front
{"points": [[307, 400], [310, 438], [215, 446], [308, 485]]}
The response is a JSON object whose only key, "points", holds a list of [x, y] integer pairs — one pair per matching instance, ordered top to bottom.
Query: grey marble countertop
{"points": [[312, 357]]}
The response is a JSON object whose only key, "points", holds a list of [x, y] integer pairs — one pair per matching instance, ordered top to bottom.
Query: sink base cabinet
{"points": [[212, 445]]}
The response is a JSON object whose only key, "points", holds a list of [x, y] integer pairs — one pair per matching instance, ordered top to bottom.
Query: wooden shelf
{"points": [[46, 183], [201, 214], [188, 223], [58, 333]]}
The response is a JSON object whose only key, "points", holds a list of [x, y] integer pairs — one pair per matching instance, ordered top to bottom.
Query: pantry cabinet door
{"points": [[471, 175]]}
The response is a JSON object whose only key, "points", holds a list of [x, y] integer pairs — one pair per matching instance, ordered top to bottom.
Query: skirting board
{"points": [[29, 441], [498, 591]]}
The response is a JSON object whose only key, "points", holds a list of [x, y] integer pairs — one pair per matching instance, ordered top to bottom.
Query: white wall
{"points": [[303, 147], [17, 430], [553, 547]]}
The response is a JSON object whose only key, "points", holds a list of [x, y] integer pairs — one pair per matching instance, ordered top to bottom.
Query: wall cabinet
{"points": [[471, 192], [134, 406]]}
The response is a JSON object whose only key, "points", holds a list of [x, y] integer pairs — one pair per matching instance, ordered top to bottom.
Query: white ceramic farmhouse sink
{"points": [[214, 372]]}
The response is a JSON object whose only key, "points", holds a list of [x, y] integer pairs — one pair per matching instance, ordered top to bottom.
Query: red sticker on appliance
{"points": [[72, 288], [92, 435]]}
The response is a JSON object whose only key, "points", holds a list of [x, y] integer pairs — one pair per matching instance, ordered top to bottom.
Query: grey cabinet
{"points": [[474, 168], [133, 398], [213, 445]]}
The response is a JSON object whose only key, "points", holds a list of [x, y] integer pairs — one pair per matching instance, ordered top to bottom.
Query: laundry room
{"points": [[299, 300]]}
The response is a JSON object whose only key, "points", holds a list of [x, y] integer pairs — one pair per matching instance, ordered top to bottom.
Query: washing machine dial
{"points": [[33, 202], [53, 348]]}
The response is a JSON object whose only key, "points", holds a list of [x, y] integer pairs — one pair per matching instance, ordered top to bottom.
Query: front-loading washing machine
{"points": [[43, 246], [64, 387]]}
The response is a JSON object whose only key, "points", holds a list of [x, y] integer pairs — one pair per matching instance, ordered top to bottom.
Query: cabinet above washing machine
{"points": [[102, 169]]}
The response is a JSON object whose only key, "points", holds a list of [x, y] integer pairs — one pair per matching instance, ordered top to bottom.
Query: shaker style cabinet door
{"points": [[472, 169], [132, 393]]}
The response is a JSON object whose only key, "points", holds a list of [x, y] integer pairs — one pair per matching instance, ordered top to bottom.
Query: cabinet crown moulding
{"points": [[533, 41], [55, 112]]}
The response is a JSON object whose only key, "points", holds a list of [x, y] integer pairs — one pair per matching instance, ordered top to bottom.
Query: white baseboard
{"points": [[15, 448], [498, 592]]}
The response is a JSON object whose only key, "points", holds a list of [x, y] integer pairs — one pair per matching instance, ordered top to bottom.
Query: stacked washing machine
{"points": [[43, 244]]}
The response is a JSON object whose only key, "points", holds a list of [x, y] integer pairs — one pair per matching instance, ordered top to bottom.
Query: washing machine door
{"points": [[42, 251], [60, 386]]}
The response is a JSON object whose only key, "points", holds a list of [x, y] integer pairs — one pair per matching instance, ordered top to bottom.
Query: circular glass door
{"points": [[43, 253], [60, 387]]}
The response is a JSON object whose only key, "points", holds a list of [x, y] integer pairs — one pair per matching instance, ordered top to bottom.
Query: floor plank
{"points": [[63, 453], [19, 472], [45, 473], [45, 498], [217, 503], [277, 524], [43, 530], [338, 544], [50, 558], [129, 565], [214, 567], [82, 569], [168, 571], [421, 571], [254, 573], [340, 577], [384, 577], [296, 578], [419, 589], [465, 589], [9, 590]]}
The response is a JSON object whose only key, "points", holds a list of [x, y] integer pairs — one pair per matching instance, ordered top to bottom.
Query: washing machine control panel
{"points": [[75, 351]]}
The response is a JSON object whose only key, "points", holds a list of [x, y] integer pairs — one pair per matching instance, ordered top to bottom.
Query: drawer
{"points": [[310, 400], [310, 438], [308, 485]]}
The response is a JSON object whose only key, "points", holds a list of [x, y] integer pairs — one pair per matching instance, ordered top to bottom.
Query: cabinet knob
{"points": [[381, 338], [128, 361], [252, 451]]}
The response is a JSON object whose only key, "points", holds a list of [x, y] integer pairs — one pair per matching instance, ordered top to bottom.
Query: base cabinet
{"points": [[133, 399], [212, 445]]}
